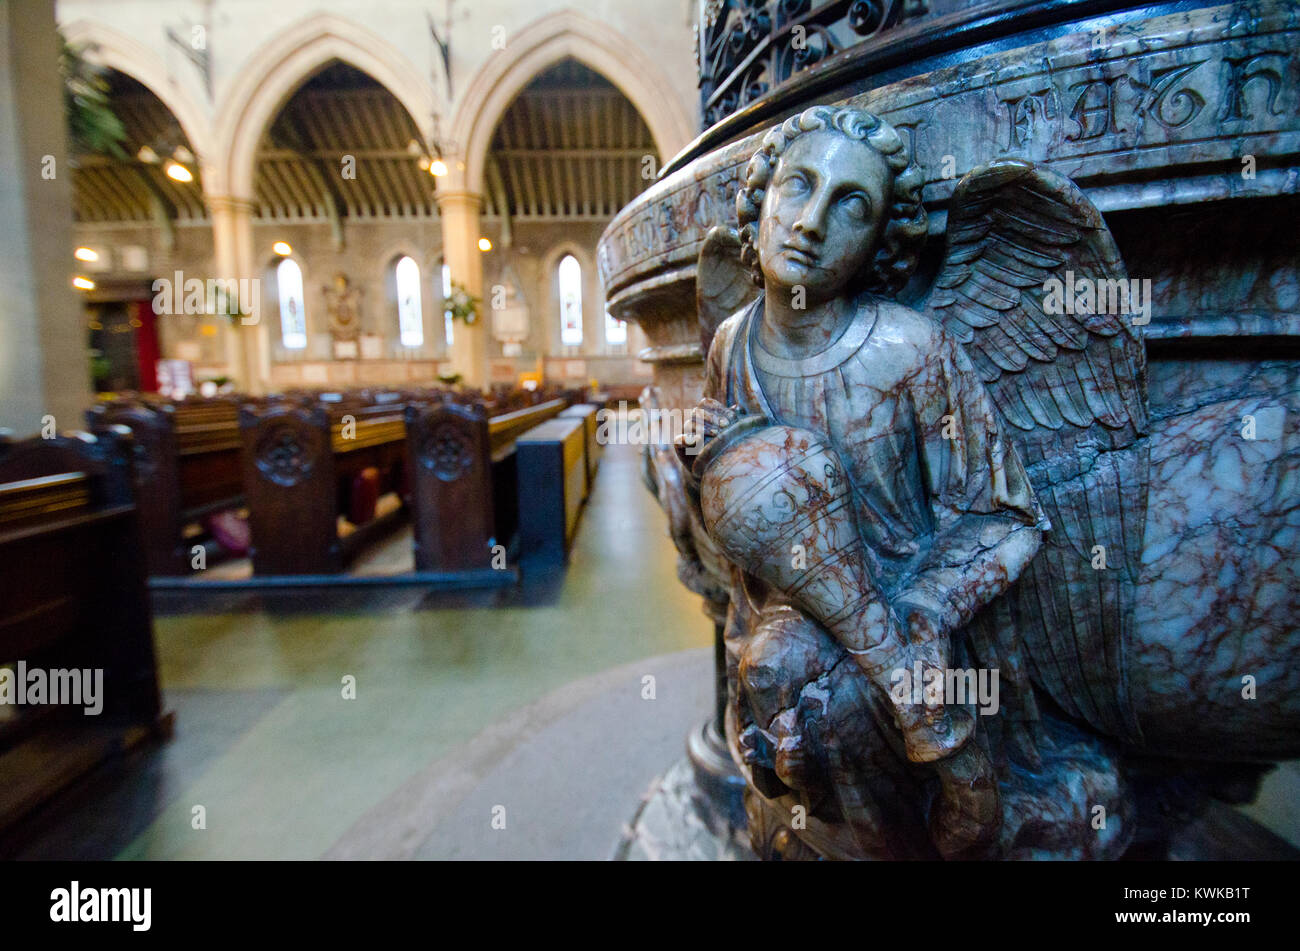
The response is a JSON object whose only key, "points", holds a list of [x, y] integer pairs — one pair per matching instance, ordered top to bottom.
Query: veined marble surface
{"points": [[1219, 596]]}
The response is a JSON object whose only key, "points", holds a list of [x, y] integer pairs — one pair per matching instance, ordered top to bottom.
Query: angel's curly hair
{"points": [[905, 228]]}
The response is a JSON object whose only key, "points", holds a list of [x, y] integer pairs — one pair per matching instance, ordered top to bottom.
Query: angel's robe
{"points": [[941, 498]]}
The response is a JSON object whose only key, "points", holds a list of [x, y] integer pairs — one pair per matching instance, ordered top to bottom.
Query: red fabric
{"points": [[146, 343], [404, 484], [364, 497], [230, 531]]}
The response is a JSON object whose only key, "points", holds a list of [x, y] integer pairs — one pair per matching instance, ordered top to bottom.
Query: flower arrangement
{"points": [[461, 304]]}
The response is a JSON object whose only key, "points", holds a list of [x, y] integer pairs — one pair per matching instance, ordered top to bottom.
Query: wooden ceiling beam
{"points": [[300, 131], [578, 153], [272, 191], [161, 210]]}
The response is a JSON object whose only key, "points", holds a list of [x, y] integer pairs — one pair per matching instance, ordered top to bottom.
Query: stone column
{"points": [[459, 211], [235, 259], [44, 363]]}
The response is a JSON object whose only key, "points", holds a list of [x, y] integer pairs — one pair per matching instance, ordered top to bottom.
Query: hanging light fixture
{"points": [[179, 173]]}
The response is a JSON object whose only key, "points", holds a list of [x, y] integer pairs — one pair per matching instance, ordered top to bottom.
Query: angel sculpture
{"points": [[918, 493]]}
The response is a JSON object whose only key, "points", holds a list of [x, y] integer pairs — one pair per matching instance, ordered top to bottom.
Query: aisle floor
{"points": [[283, 765]]}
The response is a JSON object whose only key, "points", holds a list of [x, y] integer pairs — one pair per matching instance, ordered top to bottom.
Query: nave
{"points": [[286, 768]]}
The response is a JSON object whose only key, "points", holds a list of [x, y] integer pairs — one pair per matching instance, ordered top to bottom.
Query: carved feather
{"points": [[723, 284], [1071, 390]]}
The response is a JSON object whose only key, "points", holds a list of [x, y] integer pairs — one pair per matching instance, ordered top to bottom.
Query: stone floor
{"points": [[560, 778]]}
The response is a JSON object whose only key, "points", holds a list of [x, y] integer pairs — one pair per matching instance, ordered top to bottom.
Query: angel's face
{"points": [[822, 214]]}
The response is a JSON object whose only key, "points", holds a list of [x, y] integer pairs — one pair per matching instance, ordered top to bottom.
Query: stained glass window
{"points": [[570, 301], [410, 316], [293, 317], [615, 330]]}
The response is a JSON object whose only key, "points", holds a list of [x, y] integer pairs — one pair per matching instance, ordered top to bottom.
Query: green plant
{"points": [[93, 126], [225, 303], [462, 305], [100, 368]]}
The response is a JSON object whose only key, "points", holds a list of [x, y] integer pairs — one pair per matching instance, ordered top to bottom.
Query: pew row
{"points": [[589, 413], [301, 466], [187, 467], [453, 467], [464, 476], [553, 483], [76, 603]]}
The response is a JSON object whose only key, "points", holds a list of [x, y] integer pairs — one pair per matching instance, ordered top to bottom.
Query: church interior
{"points": [[336, 521]]}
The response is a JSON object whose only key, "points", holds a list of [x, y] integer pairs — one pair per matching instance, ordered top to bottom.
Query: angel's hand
{"points": [[704, 422], [925, 626], [926, 640], [933, 728], [794, 760]]}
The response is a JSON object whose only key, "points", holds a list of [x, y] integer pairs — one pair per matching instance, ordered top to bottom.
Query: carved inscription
{"points": [[1204, 92]]}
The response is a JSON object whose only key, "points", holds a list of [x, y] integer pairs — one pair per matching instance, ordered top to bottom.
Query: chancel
{"points": [[712, 430]]}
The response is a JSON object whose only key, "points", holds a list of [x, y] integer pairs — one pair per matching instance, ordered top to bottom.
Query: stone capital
{"points": [[459, 200], [230, 204]]}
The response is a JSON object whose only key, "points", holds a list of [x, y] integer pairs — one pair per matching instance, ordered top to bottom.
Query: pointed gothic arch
{"points": [[545, 42], [281, 65]]}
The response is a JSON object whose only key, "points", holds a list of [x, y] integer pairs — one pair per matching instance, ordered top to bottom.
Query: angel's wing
{"points": [[722, 283], [1071, 390]]}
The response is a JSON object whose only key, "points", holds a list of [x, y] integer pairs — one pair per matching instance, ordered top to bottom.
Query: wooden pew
{"points": [[611, 395], [589, 414], [505, 428], [299, 463], [187, 466], [463, 475], [552, 485], [75, 599]]}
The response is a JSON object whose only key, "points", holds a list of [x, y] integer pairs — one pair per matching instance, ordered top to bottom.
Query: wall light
{"points": [[438, 167], [179, 173], [484, 244], [282, 248], [86, 254], [83, 283]]}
